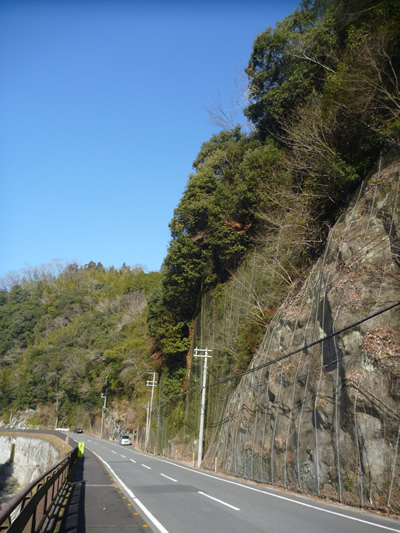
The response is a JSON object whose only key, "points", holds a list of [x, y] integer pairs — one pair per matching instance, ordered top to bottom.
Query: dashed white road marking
{"points": [[171, 478], [219, 501]]}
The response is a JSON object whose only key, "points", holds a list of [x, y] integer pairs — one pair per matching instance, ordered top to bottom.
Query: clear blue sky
{"points": [[102, 112]]}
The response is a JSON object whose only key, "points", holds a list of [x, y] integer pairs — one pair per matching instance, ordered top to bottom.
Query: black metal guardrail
{"points": [[28, 510]]}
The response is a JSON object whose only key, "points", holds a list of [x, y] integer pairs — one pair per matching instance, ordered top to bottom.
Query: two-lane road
{"points": [[176, 498]]}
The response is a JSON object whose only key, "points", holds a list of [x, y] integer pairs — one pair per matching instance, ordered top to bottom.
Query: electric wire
{"points": [[377, 248], [303, 348], [271, 362]]}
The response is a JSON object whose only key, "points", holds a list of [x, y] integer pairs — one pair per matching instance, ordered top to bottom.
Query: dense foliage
{"points": [[324, 101], [214, 226], [70, 337]]}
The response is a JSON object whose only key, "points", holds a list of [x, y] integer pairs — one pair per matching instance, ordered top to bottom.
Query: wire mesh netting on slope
{"points": [[317, 410], [326, 419]]}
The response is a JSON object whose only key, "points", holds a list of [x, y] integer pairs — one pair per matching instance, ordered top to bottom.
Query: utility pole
{"points": [[204, 354], [150, 383], [58, 396], [147, 407], [103, 410], [56, 411]]}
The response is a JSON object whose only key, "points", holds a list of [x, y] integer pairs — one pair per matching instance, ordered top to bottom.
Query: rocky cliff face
{"points": [[326, 420]]}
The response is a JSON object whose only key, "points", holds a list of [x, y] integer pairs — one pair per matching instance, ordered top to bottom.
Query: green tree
{"points": [[287, 63]]}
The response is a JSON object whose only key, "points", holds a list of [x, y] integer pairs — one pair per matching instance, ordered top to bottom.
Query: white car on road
{"points": [[124, 440]]}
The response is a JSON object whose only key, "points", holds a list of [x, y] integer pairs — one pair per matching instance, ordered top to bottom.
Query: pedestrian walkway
{"points": [[93, 502]]}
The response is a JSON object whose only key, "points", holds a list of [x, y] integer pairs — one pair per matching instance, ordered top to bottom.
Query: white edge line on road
{"points": [[171, 478], [120, 482], [275, 495], [217, 500], [148, 514]]}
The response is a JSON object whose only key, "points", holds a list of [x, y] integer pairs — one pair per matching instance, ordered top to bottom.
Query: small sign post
{"points": [[81, 447]]}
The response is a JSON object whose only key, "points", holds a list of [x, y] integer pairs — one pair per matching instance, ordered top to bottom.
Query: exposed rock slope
{"points": [[326, 420]]}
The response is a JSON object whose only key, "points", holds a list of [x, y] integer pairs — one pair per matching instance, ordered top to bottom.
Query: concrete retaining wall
{"points": [[32, 457]]}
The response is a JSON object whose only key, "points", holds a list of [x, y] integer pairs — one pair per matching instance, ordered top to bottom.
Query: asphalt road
{"points": [[176, 498]]}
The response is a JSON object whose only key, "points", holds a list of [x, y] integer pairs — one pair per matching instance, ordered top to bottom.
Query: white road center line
{"points": [[114, 452], [124, 456], [133, 460], [145, 466], [171, 478], [219, 501]]}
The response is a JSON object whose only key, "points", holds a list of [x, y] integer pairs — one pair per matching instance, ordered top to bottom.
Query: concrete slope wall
{"points": [[32, 457]]}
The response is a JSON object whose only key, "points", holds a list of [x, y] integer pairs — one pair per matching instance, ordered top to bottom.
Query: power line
{"points": [[302, 349], [284, 356]]}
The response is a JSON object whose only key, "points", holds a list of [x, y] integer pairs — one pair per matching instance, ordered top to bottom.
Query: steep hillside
{"points": [[267, 258], [318, 409]]}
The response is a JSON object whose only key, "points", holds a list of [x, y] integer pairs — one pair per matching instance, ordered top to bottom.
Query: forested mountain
{"points": [[255, 217], [67, 338]]}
